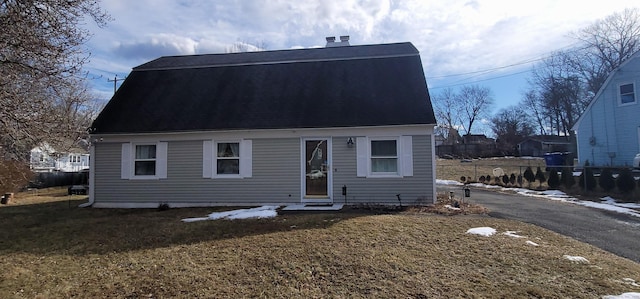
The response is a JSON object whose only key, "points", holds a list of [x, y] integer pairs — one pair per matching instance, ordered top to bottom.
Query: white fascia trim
{"points": [[371, 131]]}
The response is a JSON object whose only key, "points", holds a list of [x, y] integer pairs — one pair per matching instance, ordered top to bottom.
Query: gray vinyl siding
{"points": [[275, 178], [417, 189]]}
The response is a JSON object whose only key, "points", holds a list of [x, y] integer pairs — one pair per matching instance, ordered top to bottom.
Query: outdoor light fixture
{"points": [[350, 142]]}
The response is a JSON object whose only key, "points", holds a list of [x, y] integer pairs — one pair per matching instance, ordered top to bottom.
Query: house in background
{"points": [[321, 126], [608, 132], [537, 146], [45, 158]]}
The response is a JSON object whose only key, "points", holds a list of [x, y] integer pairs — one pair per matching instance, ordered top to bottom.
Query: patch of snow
{"points": [[448, 182], [607, 203], [609, 207], [451, 208], [259, 212], [483, 231], [512, 234], [532, 243], [576, 259], [631, 281], [623, 296]]}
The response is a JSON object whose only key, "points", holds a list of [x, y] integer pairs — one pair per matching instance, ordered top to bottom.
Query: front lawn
{"points": [[52, 249]]}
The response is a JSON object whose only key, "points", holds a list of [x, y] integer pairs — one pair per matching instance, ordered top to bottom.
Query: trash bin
{"points": [[555, 160], [467, 192]]}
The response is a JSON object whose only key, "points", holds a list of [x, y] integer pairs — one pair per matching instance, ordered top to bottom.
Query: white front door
{"points": [[316, 170]]}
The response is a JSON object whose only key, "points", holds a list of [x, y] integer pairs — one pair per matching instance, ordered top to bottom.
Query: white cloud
{"points": [[455, 36]]}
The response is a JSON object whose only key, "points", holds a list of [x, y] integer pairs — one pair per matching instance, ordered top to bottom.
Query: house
{"points": [[334, 125], [608, 132], [538, 145], [466, 146], [44, 158]]}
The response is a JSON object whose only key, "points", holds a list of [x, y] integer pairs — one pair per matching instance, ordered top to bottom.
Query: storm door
{"points": [[317, 169]]}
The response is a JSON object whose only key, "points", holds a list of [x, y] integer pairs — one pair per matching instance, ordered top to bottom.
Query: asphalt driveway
{"points": [[614, 232]]}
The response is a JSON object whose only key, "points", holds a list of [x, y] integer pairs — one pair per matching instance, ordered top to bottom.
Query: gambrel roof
{"points": [[370, 85]]}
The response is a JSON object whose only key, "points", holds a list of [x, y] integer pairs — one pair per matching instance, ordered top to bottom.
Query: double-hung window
{"points": [[627, 94], [384, 156], [228, 158], [145, 160]]}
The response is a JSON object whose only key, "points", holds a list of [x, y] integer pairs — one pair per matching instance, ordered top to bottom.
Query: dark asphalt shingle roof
{"points": [[308, 88]]}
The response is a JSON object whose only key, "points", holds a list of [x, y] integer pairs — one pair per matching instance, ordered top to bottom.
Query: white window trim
{"points": [[635, 94], [404, 154], [397, 157], [210, 159], [127, 170]]}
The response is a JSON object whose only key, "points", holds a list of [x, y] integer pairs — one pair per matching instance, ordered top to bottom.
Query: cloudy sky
{"points": [[485, 42]]}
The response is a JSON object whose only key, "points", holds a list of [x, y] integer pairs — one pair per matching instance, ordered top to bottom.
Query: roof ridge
{"points": [[403, 49], [202, 66]]}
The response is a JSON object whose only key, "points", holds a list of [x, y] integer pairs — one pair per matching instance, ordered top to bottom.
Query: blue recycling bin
{"points": [[552, 160]]}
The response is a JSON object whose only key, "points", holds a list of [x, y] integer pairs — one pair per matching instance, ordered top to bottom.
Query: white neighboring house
{"points": [[45, 158]]}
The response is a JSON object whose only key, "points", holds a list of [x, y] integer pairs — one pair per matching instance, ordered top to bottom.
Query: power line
{"points": [[490, 70], [115, 82]]}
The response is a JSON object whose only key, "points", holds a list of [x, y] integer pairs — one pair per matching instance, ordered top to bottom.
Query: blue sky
{"points": [[483, 42]]}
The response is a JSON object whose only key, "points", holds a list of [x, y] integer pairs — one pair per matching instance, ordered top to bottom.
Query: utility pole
{"points": [[115, 81]]}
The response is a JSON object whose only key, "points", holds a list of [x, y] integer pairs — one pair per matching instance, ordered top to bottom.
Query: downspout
{"points": [[92, 176]]}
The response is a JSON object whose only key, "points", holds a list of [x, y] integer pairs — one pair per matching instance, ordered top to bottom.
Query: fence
{"points": [[477, 170], [54, 179]]}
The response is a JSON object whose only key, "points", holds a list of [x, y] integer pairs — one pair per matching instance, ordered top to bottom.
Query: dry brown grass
{"points": [[454, 169], [49, 250]]}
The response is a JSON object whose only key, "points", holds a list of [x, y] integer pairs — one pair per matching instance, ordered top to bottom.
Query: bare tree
{"points": [[605, 45], [243, 46], [41, 82], [476, 102], [536, 110], [447, 111], [510, 126]]}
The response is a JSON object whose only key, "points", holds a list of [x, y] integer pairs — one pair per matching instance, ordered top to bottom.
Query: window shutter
{"points": [[407, 155], [362, 156], [207, 159], [246, 159], [161, 160], [125, 162]]}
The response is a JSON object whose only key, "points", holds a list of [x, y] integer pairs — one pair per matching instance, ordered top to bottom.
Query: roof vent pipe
{"points": [[331, 41]]}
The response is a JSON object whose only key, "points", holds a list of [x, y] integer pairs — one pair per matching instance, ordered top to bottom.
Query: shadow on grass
{"points": [[60, 227]]}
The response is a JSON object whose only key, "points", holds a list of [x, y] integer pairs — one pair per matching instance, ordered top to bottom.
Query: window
{"points": [[627, 94], [384, 156], [228, 158], [145, 160]]}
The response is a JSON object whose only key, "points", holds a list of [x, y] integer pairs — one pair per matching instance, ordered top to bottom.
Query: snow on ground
{"points": [[607, 203], [451, 207], [260, 212], [482, 231], [489, 231], [512, 234], [532, 243], [576, 259], [623, 296]]}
